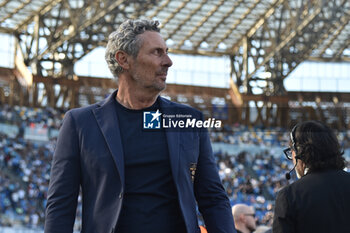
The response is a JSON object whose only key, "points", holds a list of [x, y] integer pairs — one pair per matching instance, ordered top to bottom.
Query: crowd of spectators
{"points": [[20, 114], [23, 117], [239, 134], [25, 167], [255, 176], [251, 177]]}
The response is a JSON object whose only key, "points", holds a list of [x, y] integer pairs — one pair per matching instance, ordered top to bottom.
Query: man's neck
{"points": [[135, 99]]}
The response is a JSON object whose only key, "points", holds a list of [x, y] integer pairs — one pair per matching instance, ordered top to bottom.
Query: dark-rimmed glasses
{"points": [[288, 153], [253, 215]]}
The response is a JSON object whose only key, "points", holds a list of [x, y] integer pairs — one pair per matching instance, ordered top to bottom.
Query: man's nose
{"points": [[167, 61]]}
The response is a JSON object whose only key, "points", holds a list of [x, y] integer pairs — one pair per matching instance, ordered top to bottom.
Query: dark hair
{"points": [[318, 146]]}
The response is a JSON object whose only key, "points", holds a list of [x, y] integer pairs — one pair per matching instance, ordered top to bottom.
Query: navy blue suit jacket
{"points": [[89, 155]]}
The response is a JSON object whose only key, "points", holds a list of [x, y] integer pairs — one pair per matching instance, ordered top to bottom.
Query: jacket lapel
{"points": [[107, 119], [173, 139]]}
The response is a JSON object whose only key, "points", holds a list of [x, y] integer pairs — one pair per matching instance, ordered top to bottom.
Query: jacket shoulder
{"points": [[182, 107], [82, 111]]}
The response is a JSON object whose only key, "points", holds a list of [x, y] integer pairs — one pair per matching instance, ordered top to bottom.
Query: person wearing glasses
{"points": [[319, 201], [244, 218]]}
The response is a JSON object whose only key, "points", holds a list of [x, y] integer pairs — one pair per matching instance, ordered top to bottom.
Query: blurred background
{"points": [[260, 66]]}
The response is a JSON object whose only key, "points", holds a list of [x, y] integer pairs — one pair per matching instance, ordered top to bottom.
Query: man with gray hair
{"points": [[134, 179]]}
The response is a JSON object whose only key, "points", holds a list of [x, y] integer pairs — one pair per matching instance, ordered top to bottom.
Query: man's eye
{"points": [[158, 52]]}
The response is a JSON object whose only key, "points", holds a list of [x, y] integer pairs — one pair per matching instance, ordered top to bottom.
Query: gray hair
{"points": [[126, 39]]}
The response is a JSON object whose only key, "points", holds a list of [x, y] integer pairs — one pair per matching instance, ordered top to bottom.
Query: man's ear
{"points": [[123, 59], [242, 218]]}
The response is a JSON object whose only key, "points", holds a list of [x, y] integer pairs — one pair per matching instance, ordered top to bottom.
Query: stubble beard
{"points": [[155, 86]]}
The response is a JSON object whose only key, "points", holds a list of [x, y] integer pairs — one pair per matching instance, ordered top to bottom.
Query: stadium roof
{"points": [[196, 26], [260, 36]]}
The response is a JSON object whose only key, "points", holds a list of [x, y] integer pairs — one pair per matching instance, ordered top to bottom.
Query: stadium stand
{"points": [[263, 42], [250, 172]]}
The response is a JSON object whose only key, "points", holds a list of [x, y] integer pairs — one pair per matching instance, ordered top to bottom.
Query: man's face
{"points": [[149, 69], [250, 221]]}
